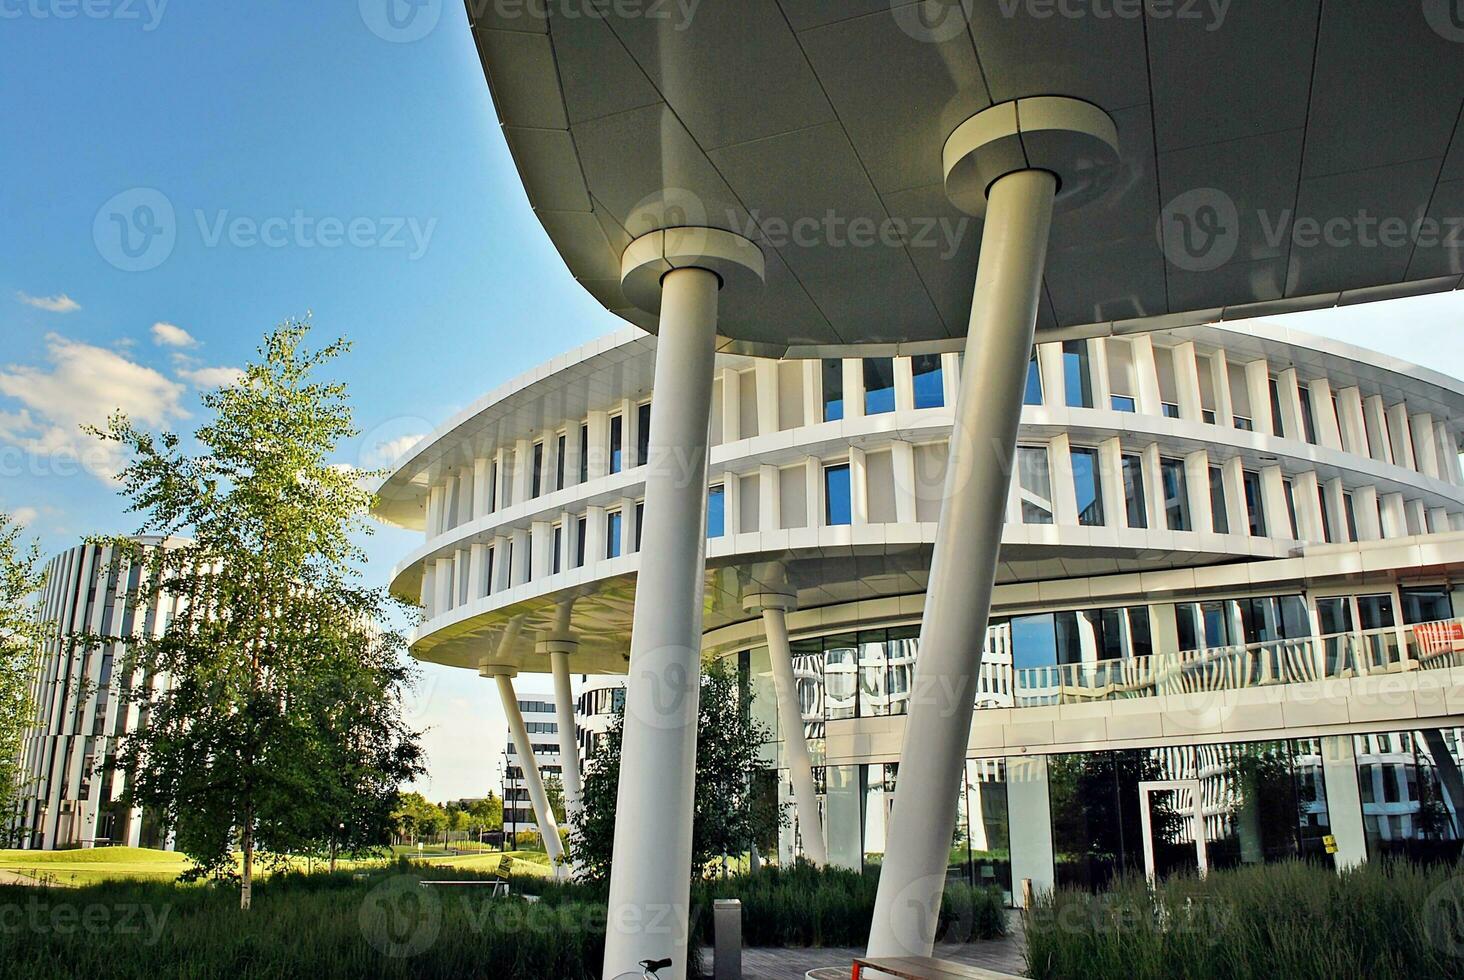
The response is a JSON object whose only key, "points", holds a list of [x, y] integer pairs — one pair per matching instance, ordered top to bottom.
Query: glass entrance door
{"points": [[1172, 816]]}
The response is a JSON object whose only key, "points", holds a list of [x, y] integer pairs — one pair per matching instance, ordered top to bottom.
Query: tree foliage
{"points": [[21, 632], [279, 727], [726, 801]]}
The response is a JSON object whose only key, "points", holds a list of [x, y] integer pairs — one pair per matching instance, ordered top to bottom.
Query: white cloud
{"points": [[60, 303], [172, 335], [211, 377], [82, 385], [24, 516]]}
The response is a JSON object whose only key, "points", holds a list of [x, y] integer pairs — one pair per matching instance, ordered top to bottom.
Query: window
{"points": [[929, 380], [1077, 380], [879, 385], [833, 390], [1033, 393], [1124, 403], [1170, 409], [1207, 415], [1308, 420], [1241, 422], [1276, 426], [643, 434], [617, 443], [584, 460], [559, 463], [536, 475], [1034, 483], [493, 486], [1088, 489], [1176, 494], [1135, 503], [1254, 505], [1291, 508], [838, 509], [716, 512], [1219, 514], [1350, 514], [1326, 518], [640, 522], [614, 524], [580, 526], [554, 559], [490, 570], [1429, 604], [1269, 618], [1203, 625]]}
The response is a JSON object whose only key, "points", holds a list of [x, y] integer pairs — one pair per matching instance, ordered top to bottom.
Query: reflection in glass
{"points": [[929, 380], [879, 385], [1034, 484], [1085, 484], [1412, 793]]}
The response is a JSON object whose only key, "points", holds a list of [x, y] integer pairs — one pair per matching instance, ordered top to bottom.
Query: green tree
{"points": [[20, 635], [283, 717], [554, 790], [726, 801], [485, 815]]}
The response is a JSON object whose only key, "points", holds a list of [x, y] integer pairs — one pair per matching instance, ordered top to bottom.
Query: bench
{"points": [[922, 968]]}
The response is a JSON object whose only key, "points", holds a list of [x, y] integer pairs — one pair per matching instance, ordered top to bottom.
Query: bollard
{"points": [[727, 924]]}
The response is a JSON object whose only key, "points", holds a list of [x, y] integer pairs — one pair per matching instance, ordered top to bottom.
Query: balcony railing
{"points": [[1337, 656]]}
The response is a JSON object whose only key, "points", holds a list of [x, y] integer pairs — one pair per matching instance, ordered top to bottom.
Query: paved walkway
{"points": [[1006, 955]]}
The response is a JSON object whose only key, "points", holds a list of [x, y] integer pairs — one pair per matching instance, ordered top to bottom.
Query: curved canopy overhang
{"points": [[1274, 156]]}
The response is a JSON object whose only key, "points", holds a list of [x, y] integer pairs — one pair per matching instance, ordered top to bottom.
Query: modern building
{"points": [[858, 181], [1229, 592], [601, 696], [541, 722], [72, 790]]}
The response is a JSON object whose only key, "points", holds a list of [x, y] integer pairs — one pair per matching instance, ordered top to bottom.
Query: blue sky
{"points": [[309, 164]]}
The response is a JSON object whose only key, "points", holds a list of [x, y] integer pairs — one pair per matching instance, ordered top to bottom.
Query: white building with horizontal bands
{"points": [[1225, 627], [72, 789]]}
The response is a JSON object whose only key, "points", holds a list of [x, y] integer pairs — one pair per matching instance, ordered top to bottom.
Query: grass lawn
{"points": [[102, 864]]}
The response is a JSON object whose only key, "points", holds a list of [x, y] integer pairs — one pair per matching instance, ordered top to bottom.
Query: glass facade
{"points": [[1077, 377], [929, 380], [879, 385], [833, 390], [1032, 394], [1034, 484], [1087, 486], [1176, 494], [838, 506], [1136, 506], [716, 512], [1412, 793], [1251, 803]]}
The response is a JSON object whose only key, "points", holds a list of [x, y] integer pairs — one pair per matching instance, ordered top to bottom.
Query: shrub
{"points": [[1293, 920]]}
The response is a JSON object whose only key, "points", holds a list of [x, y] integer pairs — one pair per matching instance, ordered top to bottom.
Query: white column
{"points": [[1052, 370], [1146, 376], [1220, 380], [1187, 381], [1258, 390], [1324, 414], [1375, 416], [1351, 421], [1400, 436], [1425, 448], [1197, 487], [1304, 490], [1273, 497], [1336, 509], [1365, 511], [1237, 512], [1394, 516], [963, 565], [560, 649], [790, 722], [1344, 800], [1029, 811], [543, 812], [650, 884]]}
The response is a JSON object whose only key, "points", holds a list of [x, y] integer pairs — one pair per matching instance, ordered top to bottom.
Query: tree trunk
{"points": [[246, 886]]}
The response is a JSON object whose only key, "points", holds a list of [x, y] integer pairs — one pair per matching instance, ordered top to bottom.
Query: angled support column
{"points": [[1011, 162], [679, 274], [775, 609], [543, 813]]}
